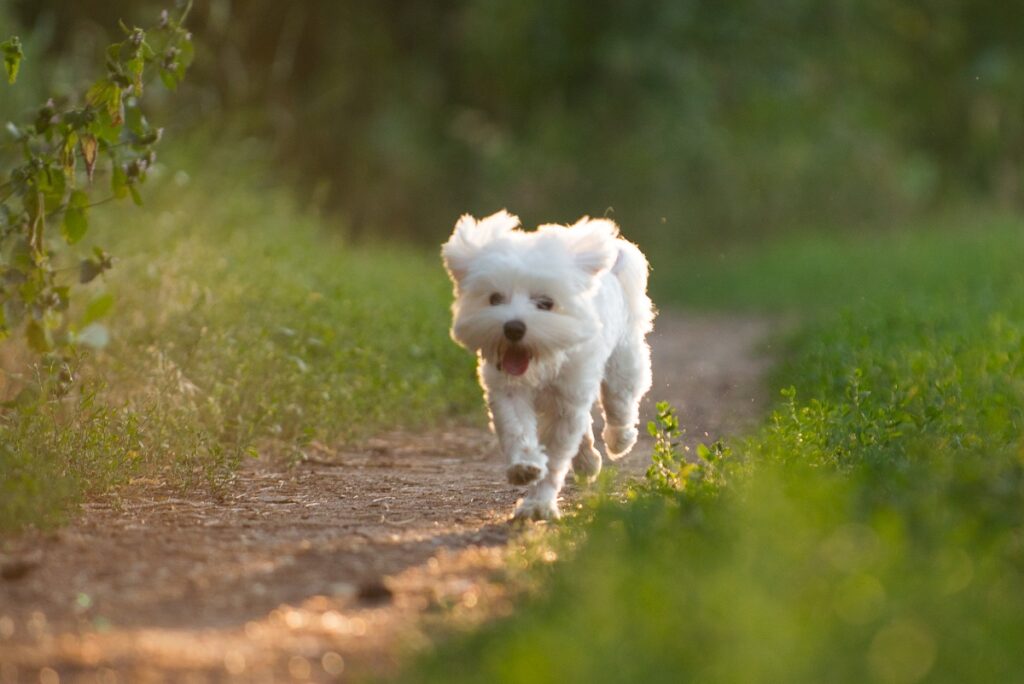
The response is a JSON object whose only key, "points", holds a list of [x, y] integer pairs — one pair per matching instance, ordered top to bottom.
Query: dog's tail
{"points": [[631, 268]]}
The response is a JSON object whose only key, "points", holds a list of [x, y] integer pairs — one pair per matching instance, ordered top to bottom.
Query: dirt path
{"points": [[332, 568]]}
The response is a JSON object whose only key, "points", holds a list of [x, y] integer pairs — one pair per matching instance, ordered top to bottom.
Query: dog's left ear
{"points": [[592, 242]]}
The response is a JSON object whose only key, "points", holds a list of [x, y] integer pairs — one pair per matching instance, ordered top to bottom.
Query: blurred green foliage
{"points": [[685, 118], [870, 532]]}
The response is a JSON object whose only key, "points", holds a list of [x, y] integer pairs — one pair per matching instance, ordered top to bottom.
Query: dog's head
{"points": [[525, 296]]}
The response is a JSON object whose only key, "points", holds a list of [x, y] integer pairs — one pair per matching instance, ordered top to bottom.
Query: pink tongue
{"points": [[515, 361]]}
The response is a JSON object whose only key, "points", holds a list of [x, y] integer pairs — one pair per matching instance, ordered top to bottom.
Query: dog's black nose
{"points": [[514, 330]]}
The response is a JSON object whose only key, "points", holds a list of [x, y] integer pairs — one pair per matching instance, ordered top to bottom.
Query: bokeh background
{"points": [[682, 119], [847, 170]]}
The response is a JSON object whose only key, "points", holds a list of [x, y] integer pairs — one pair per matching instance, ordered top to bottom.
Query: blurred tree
{"points": [[685, 117]]}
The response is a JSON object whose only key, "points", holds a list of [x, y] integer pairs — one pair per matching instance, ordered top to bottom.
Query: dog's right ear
{"points": [[469, 236], [593, 244]]}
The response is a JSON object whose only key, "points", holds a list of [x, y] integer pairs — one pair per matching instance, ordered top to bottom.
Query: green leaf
{"points": [[13, 55], [185, 57], [135, 67], [169, 78], [101, 94], [106, 95], [46, 117], [134, 119], [104, 128], [67, 153], [119, 182], [53, 185], [136, 197], [78, 200], [34, 203], [76, 219], [75, 225], [88, 270], [99, 307]]}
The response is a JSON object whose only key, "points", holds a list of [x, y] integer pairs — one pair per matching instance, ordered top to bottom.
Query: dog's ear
{"points": [[469, 236], [592, 242], [459, 250]]}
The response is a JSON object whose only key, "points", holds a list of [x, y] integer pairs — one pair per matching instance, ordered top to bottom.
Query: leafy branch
{"points": [[45, 198]]}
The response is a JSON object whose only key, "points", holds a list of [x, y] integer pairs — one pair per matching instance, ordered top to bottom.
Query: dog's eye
{"points": [[496, 299], [544, 303]]}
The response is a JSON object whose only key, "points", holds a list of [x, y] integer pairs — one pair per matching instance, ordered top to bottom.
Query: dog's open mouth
{"points": [[515, 360]]}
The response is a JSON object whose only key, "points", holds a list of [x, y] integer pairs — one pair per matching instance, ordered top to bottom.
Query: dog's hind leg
{"points": [[627, 378], [587, 461]]}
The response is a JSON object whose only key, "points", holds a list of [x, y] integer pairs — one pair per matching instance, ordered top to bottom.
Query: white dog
{"points": [[556, 317]]}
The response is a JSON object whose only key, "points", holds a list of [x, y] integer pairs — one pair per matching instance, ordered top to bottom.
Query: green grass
{"points": [[964, 252], [238, 320], [871, 531]]}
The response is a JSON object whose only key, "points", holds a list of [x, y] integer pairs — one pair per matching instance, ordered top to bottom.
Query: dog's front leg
{"points": [[515, 423], [562, 435]]}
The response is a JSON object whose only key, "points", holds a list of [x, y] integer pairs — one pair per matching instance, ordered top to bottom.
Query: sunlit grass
{"points": [[239, 320]]}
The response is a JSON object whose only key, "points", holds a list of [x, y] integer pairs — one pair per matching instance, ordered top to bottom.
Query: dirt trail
{"points": [[327, 570]]}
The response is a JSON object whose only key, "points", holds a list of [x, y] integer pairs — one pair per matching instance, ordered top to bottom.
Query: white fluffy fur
{"points": [[590, 344]]}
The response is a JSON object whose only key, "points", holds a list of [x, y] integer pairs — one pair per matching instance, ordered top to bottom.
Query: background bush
{"points": [[684, 118]]}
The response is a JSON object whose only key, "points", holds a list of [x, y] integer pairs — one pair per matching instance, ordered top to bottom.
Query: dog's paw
{"points": [[618, 440], [587, 464], [527, 466], [521, 474], [537, 509]]}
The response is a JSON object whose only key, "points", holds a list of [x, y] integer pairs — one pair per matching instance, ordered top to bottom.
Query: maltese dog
{"points": [[558, 318]]}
